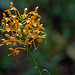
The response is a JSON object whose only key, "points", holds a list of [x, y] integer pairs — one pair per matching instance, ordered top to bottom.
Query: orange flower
{"points": [[8, 28], [25, 29]]}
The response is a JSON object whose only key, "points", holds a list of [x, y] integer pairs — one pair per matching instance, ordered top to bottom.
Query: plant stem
{"points": [[34, 62]]}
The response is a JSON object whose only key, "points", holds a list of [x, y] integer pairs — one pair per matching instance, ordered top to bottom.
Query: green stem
{"points": [[34, 62]]}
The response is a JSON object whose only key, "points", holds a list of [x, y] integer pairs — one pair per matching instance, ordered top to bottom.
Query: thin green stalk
{"points": [[34, 62]]}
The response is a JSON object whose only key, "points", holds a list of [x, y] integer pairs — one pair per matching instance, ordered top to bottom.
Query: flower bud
{"points": [[11, 4], [36, 8], [25, 10], [4, 15], [6, 24], [41, 25], [24, 30]]}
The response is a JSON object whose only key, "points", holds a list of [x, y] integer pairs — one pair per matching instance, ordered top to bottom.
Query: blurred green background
{"points": [[58, 55]]}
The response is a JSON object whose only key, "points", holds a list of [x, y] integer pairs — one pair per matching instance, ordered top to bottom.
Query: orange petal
{"points": [[7, 35], [1, 44], [14, 44], [19, 48], [34, 49], [9, 54]]}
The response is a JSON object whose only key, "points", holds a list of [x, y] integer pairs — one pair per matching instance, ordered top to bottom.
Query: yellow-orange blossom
{"points": [[24, 29]]}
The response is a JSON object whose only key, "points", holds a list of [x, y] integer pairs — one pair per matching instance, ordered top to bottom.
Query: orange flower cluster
{"points": [[24, 29]]}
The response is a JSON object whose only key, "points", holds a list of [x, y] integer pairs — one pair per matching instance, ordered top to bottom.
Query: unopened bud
{"points": [[11, 3], [37, 7], [26, 9], [3, 13], [35, 14], [14, 16], [27, 21], [14, 22], [6, 24], [41, 25], [24, 30], [3, 39]]}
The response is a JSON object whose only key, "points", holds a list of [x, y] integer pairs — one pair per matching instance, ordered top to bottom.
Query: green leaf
{"points": [[45, 70]]}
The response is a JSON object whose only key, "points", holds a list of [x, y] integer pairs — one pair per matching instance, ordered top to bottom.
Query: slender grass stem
{"points": [[34, 62]]}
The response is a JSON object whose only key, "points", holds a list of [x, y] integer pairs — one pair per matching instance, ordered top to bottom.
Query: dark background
{"points": [[58, 55]]}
